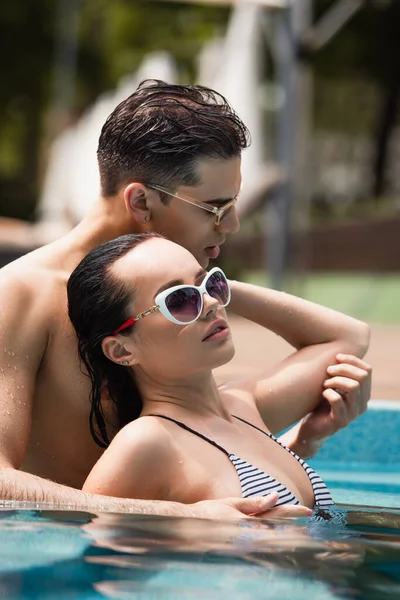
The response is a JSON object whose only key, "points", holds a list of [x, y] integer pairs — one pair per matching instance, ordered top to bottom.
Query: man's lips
{"points": [[213, 251], [218, 330]]}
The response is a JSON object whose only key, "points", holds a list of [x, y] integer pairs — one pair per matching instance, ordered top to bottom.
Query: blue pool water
{"points": [[361, 464], [351, 552]]}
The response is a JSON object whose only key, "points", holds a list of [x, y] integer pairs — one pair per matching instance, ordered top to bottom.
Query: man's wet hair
{"points": [[161, 131]]}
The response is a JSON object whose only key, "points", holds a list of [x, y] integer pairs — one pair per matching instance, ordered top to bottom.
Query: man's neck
{"points": [[107, 220]]}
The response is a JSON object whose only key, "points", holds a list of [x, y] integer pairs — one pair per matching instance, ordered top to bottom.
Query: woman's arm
{"points": [[350, 375], [290, 390]]}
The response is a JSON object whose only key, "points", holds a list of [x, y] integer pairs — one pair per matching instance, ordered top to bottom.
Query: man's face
{"points": [[193, 227]]}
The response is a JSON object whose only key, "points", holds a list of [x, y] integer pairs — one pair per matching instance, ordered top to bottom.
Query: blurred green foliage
{"points": [[113, 38], [372, 297]]}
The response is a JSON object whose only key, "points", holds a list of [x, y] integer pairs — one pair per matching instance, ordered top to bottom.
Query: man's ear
{"points": [[137, 202], [116, 349]]}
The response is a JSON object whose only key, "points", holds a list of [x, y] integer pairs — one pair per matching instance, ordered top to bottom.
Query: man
{"points": [[169, 160]]}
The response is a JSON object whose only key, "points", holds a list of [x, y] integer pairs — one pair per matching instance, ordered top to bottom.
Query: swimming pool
{"points": [[361, 464], [350, 552]]}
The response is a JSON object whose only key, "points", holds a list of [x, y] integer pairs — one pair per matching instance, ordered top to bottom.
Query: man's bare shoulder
{"points": [[33, 275], [32, 294]]}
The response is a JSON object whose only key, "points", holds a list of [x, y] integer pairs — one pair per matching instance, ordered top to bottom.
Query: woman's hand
{"points": [[347, 390]]}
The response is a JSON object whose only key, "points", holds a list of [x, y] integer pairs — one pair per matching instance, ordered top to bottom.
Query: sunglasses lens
{"points": [[218, 287], [184, 304]]}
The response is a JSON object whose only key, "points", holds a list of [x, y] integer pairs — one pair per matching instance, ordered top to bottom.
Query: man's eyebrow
{"points": [[222, 201], [174, 282]]}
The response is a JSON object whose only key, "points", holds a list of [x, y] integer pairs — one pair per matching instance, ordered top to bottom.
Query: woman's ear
{"points": [[136, 197], [119, 351]]}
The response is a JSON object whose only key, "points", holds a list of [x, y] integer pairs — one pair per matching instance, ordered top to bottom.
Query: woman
{"points": [[151, 326]]}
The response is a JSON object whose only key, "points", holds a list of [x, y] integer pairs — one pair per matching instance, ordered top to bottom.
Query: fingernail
{"points": [[340, 356], [330, 369]]}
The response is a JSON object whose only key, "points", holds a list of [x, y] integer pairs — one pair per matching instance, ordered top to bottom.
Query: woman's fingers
{"points": [[350, 359], [348, 370], [351, 379], [342, 383], [341, 412]]}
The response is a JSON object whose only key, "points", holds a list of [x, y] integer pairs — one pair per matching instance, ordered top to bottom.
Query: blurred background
{"points": [[316, 81]]}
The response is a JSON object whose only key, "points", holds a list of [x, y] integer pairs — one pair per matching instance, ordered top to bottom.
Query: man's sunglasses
{"points": [[218, 212], [183, 304]]}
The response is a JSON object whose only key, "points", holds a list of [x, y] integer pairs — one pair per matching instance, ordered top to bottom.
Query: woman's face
{"points": [[162, 349]]}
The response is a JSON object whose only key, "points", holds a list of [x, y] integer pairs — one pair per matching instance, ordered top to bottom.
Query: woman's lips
{"points": [[220, 332]]}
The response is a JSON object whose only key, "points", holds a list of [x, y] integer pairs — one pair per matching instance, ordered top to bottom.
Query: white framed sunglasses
{"points": [[218, 212], [183, 304]]}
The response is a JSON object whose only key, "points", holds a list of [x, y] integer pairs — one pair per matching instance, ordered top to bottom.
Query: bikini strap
{"points": [[255, 427], [200, 435]]}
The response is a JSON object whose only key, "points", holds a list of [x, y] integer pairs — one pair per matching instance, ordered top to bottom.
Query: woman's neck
{"points": [[197, 396]]}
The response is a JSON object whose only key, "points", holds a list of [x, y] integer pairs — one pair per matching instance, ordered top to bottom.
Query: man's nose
{"points": [[229, 223]]}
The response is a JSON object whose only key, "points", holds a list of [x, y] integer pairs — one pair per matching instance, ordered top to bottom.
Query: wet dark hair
{"points": [[159, 133], [97, 305]]}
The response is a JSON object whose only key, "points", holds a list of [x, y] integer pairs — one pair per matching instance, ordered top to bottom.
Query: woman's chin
{"points": [[222, 356]]}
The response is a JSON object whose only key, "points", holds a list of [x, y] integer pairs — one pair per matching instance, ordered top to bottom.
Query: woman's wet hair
{"points": [[161, 131], [98, 302]]}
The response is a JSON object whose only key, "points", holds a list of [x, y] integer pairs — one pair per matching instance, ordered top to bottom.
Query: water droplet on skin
{"points": [[5, 350], [9, 353], [12, 353], [8, 365], [15, 368], [17, 387], [22, 387], [12, 397], [53, 458]]}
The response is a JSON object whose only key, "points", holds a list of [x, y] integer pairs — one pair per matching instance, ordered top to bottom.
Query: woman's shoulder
{"points": [[147, 432], [139, 458]]}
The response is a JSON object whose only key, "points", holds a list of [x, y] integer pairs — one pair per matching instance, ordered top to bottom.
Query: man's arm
{"points": [[23, 341], [18, 487]]}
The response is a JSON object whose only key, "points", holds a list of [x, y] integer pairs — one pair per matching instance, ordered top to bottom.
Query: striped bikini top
{"points": [[255, 482]]}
